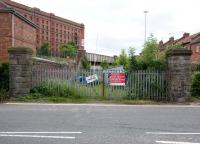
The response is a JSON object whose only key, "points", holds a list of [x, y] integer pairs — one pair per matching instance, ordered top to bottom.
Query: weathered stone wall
{"points": [[20, 67], [179, 75]]}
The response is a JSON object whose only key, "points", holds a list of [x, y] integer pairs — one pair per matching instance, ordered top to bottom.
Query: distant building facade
{"points": [[51, 28], [15, 31], [188, 41]]}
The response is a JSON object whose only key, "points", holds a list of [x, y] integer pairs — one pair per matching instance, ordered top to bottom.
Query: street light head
{"points": [[145, 11]]}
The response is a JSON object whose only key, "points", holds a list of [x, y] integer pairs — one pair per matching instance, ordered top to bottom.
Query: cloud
{"points": [[118, 24]]}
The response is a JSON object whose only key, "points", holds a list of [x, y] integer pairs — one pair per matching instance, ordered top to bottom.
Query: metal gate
{"points": [[104, 83]]}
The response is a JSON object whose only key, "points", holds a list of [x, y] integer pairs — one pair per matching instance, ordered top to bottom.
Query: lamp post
{"points": [[145, 24]]}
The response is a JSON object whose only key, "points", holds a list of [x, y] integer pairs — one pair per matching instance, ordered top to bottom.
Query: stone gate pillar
{"points": [[20, 66], [179, 75]]}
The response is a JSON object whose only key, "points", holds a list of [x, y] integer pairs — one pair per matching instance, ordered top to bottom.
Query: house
{"points": [[191, 42]]}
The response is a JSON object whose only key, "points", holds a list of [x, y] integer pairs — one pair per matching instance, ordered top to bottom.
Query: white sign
{"points": [[91, 78]]}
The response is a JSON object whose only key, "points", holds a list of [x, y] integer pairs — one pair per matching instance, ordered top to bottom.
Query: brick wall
{"points": [[15, 32], [24, 34], [5, 35], [195, 53]]}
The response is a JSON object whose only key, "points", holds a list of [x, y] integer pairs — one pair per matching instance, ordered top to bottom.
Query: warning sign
{"points": [[117, 79]]}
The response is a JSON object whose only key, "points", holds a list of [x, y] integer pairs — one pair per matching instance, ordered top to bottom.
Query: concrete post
{"points": [[81, 54], [20, 66], [179, 75]]}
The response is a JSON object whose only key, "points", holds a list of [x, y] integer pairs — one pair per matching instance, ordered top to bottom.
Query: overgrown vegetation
{"points": [[171, 47], [69, 49], [44, 50], [150, 58], [85, 63], [104, 65], [4, 76], [4, 81], [196, 84], [60, 91]]}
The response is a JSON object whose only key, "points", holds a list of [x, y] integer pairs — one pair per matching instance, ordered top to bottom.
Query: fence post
{"points": [[20, 66], [179, 75], [103, 90]]}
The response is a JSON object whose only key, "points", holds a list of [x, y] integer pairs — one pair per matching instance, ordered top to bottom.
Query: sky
{"points": [[113, 25]]}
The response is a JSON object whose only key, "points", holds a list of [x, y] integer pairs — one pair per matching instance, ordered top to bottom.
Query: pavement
{"points": [[99, 124]]}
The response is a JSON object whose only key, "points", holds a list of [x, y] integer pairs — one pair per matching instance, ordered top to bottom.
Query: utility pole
{"points": [[145, 25]]}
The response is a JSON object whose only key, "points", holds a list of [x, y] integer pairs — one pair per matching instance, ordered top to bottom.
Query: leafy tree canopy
{"points": [[44, 49], [69, 49], [150, 51], [122, 59], [104, 65]]}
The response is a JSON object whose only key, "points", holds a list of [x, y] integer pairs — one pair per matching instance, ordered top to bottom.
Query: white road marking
{"points": [[105, 105], [41, 132], [171, 133], [38, 136], [174, 142]]}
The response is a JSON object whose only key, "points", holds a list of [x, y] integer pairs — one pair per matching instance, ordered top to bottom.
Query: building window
{"points": [[42, 21], [198, 49]]}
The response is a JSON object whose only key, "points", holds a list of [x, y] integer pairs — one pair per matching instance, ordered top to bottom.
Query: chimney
{"points": [[186, 35], [171, 39], [161, 43]]}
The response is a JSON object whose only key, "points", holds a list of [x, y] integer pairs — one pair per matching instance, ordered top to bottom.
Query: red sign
{"points": [[117, 79]]}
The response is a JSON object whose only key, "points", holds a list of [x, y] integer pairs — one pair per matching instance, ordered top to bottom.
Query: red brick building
{"points": [[51, 28], [15, 30], [188, 41]]}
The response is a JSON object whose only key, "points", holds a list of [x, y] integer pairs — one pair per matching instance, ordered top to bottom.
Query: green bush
{"points": [[198, 67], [4, 76], [196, 84], [55, 88], [3, 95]]}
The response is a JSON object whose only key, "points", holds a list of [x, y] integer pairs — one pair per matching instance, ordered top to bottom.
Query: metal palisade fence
{"points": [[107, 84]]}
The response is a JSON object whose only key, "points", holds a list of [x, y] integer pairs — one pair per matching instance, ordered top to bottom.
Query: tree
{"points": [[44, 49], [70, 49], [150, 51], [151, 57], [122, 59], [132, 61], [85, 63], [104, 65]]}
